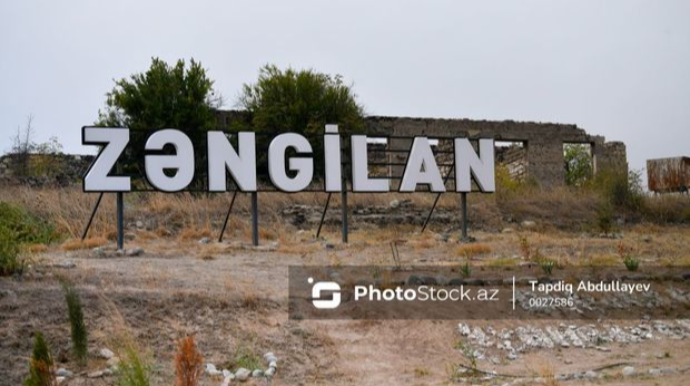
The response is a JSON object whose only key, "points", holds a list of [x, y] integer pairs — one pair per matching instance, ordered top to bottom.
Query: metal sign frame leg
{"points": [[463, 202], [343, 208], [93, 214], [323, 215], [227, 216], [255, 219], [120, 221]]}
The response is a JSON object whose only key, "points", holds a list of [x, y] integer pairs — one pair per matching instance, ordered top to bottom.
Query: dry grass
{"points": [[190, 217], [75, 244], [469, 251], [249, 299]]}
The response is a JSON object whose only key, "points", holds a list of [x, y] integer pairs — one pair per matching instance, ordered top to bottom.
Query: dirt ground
{"points": [[231, 296]]}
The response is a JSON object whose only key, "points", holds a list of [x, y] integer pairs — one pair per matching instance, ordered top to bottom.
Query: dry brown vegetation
{"points": [[189, 217], [188, 363]]}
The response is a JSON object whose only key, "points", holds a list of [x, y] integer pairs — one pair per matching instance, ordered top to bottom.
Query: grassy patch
{"points": [[24, 227], [244, 357]]}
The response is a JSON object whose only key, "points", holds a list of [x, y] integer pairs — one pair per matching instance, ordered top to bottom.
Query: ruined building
{"points": [[527, 149]]}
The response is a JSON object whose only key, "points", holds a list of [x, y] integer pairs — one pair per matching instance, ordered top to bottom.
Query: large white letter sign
{"points": [[331, 147], [222, 156], [182, 160], [468, 164], [303, 166], [421, 168], [97, 178], [361, 182]]}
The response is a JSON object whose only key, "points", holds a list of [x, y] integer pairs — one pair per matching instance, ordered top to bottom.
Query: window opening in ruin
{"points": [[511, 160], [578, 163]]}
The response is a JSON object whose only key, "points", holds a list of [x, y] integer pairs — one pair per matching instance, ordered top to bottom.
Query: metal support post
{"points": [[323, 215], [227, 216], [255, 219]]}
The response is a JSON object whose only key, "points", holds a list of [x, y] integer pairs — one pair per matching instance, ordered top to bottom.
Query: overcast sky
{"points": [[618, 68]]}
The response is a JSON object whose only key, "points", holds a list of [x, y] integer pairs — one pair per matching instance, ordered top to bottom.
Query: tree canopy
{"points": [[164, 96], [300, 101]]}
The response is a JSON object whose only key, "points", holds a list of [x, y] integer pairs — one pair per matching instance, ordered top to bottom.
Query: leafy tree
{"points": [[165, 96], [300, 101], [578, 164]]}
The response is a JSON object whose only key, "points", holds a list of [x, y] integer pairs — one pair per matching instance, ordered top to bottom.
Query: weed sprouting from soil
{"points": [[631, 263], [466, 270], [80, 342], [245, 358], [41, 365], [133, 369]]}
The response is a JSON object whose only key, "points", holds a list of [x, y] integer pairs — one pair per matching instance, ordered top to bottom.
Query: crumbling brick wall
{"points": [[542, 142]]}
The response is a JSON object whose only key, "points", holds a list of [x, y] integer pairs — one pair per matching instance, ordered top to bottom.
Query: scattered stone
{"points": [[394, 204], [139, 224], [528, 224], [508, 230], [130, 236], [205, 240], [99, 252], [134, 252], [65, 265], [105, 353], [113, 362], [272, 364], [212, 370], [270, 371], [628, 371], [654, 371], [62, 372], [228, 373], [257, 373], [95, 374], [242, 374], [590, 374], [59, 380]]}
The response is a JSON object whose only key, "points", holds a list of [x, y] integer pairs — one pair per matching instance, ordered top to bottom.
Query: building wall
{"points": [[543, 142]]}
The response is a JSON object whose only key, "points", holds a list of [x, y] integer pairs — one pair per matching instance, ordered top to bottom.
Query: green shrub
{"points": [[619, 189], [605, 218], [24, 227], [10, 262], [631, 263], [547, 266], [80, 343], [41, 365], [133, 369]]}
